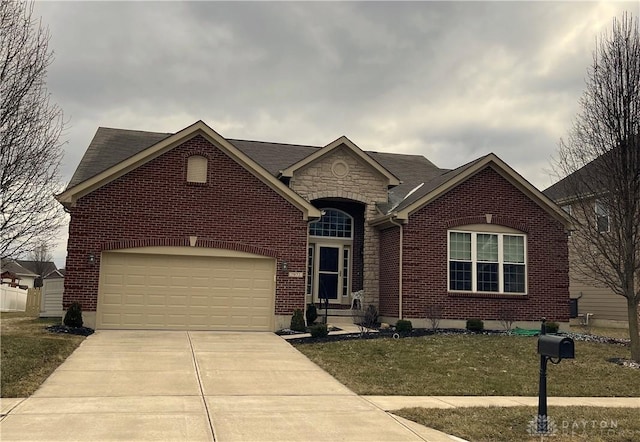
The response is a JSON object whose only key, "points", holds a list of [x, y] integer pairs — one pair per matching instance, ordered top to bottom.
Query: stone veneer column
{"points": [[359, 183], [371, 260]]}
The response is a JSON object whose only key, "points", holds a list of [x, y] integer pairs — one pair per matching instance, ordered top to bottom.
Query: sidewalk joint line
{"points": [[204, 400]]}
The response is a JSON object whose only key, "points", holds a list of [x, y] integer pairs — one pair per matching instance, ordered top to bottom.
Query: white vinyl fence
{"points": [[12, 299]]}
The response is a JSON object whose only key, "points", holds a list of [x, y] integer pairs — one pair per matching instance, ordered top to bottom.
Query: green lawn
{"points": [[30, 353], [477, 365], [509, 424]]}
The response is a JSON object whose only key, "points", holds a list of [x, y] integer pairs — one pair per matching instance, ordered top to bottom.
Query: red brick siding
{"points": [[153, 205], [425, 264], [389, 271]]}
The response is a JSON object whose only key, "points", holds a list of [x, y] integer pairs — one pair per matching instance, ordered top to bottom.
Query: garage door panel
{"points": [[185, 292], [199, 301]]}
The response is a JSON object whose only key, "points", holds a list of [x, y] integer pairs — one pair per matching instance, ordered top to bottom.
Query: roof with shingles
{"points": [[112, 146], [274, 156], [593, 177], [436, 181], [12, 266], [33, 266]]}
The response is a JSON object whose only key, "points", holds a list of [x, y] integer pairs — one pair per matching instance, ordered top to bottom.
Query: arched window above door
{"points": [[334, 223]]}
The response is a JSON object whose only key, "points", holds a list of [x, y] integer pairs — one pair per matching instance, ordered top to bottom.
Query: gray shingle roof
{"points": [[111, 146], [274, 156], [594, 177], [436, 181], [13, 266], [33, 266]]}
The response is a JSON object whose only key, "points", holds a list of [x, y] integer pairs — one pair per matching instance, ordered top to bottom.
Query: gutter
{"points": [[392, 220]]}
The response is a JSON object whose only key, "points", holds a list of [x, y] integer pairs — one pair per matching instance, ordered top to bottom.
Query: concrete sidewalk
{"points": [[197, 386]]}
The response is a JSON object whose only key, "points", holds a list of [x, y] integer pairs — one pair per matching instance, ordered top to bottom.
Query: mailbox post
{"points": [[549, 348]]}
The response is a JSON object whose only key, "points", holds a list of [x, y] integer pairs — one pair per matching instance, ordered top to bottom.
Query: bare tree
{"points": [[30, 128], [601, 162], [41, 257]]}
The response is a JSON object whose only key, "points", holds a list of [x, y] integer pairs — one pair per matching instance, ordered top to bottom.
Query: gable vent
{"points": [[197, 169]]}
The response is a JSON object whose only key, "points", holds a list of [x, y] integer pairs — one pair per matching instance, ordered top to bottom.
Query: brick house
{"points": [[194, 231]]}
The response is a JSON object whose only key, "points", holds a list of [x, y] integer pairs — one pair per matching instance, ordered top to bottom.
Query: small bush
{"points": [[311, 314], [73, 316], [371, 316], [433, 316], [507, 318], [297, 321], [475, 325], [404, 326], [552, 327], [319, 330]]}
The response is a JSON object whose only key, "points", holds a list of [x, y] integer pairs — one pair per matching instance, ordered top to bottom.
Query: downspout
{"points": [[395, 223]]}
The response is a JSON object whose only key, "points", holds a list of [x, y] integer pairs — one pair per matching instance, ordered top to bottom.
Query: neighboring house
{"points": [[194, 231], [40, 268], [17, 275], [597, 305]]}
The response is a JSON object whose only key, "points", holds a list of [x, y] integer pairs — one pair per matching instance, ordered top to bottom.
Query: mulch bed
{"points": [[59, 328]]}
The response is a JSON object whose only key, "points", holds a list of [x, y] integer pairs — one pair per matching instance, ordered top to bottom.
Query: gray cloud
{"points": [[451, 80]]}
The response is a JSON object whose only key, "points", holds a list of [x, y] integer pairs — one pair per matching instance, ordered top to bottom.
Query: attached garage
{"points": [[185, 288]]}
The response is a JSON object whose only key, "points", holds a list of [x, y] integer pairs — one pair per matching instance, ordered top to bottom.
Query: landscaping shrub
{"points": [[311, 314], [73, 316], [371, 316], [433, 316], [507, 318], [297, 321], [475, 325], [404, 326], [551, 327], [319, 330]]}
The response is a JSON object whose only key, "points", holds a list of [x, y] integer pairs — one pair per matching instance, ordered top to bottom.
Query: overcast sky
{"points": [[451, 81]]}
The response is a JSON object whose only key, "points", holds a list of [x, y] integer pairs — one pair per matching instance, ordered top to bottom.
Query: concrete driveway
{"points": [[198, 386]]}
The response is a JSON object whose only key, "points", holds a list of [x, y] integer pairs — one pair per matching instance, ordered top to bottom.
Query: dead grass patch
{"points": [[30, 353], [475, 365], [498, 424]]}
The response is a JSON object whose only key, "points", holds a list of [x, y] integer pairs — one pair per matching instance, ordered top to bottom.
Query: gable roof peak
{"points": [[343, 141], [159, 147], [442, 184]]}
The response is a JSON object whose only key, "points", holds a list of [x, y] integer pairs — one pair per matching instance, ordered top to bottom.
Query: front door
{"points": [[328, 272]]}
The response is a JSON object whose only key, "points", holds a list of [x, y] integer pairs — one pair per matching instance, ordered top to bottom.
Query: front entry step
{"points": [[337, 316]]}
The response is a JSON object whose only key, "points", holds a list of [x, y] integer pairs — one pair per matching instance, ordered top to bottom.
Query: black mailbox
{"points": [[556, 347]]}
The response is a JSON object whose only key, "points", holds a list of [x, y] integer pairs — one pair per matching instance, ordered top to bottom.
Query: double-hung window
{"points": [[487, 262]]}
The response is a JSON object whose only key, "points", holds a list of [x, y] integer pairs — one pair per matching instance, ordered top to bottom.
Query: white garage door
{"points": [[173, 291]]}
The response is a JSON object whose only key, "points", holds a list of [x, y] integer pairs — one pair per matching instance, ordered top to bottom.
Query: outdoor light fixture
{"points": [[91, 259], [285, 265]]}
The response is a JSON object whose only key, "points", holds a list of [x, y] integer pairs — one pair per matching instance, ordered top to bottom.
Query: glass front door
{"points": [[328, 272]]}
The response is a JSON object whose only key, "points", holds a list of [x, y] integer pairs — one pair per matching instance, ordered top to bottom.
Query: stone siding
{"points": [[328, 177]]}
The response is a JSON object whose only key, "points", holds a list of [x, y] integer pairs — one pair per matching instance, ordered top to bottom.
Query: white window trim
{"points": [[348, 238], [474, 262]]}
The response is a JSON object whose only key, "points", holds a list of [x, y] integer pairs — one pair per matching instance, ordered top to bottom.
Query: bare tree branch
{"points": [[30, 125], [601, 162]]}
